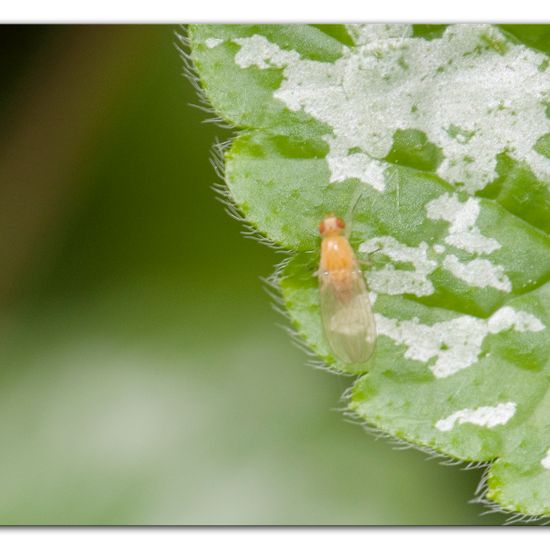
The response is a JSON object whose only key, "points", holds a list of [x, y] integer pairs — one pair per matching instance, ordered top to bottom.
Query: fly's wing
{"points": [[347, 315]]}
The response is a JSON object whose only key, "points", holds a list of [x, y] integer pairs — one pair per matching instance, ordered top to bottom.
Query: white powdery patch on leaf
{"points": [[373, 32], [213, 42], [260, 52], [472, 92], [344, 165], [462, 217], [465, 235], [478, 272], [390, 280], [508, 318], [454, 344], [488, 417], [546, 460]]}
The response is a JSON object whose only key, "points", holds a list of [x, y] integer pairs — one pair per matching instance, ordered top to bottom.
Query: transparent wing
{"points": [[347, 316]]}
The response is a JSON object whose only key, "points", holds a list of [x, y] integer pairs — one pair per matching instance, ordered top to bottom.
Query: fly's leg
{"points": [[365, 261]]}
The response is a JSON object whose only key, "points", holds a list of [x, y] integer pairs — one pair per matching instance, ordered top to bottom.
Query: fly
{"points": [[346, 311]]}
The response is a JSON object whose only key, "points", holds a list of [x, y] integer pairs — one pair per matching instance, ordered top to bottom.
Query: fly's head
{"points": [[331, 226]]}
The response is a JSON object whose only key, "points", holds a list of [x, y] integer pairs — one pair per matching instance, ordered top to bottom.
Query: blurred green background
{"points": [[144, 379]]}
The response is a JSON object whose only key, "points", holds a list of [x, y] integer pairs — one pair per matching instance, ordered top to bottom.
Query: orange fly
{"points": [[346, 310]]}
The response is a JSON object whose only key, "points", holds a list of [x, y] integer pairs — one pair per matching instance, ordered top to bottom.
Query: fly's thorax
{"points": [[337, 255]]}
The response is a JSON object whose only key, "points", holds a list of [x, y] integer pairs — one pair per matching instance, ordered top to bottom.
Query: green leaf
{"points": [[439, 136]]}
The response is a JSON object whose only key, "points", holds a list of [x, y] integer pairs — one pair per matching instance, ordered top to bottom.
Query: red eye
{"points": [[340, 223], [322, 227]]}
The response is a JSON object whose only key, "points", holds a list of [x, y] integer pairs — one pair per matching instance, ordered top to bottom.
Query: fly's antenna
{"points": [[354, 202]]}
